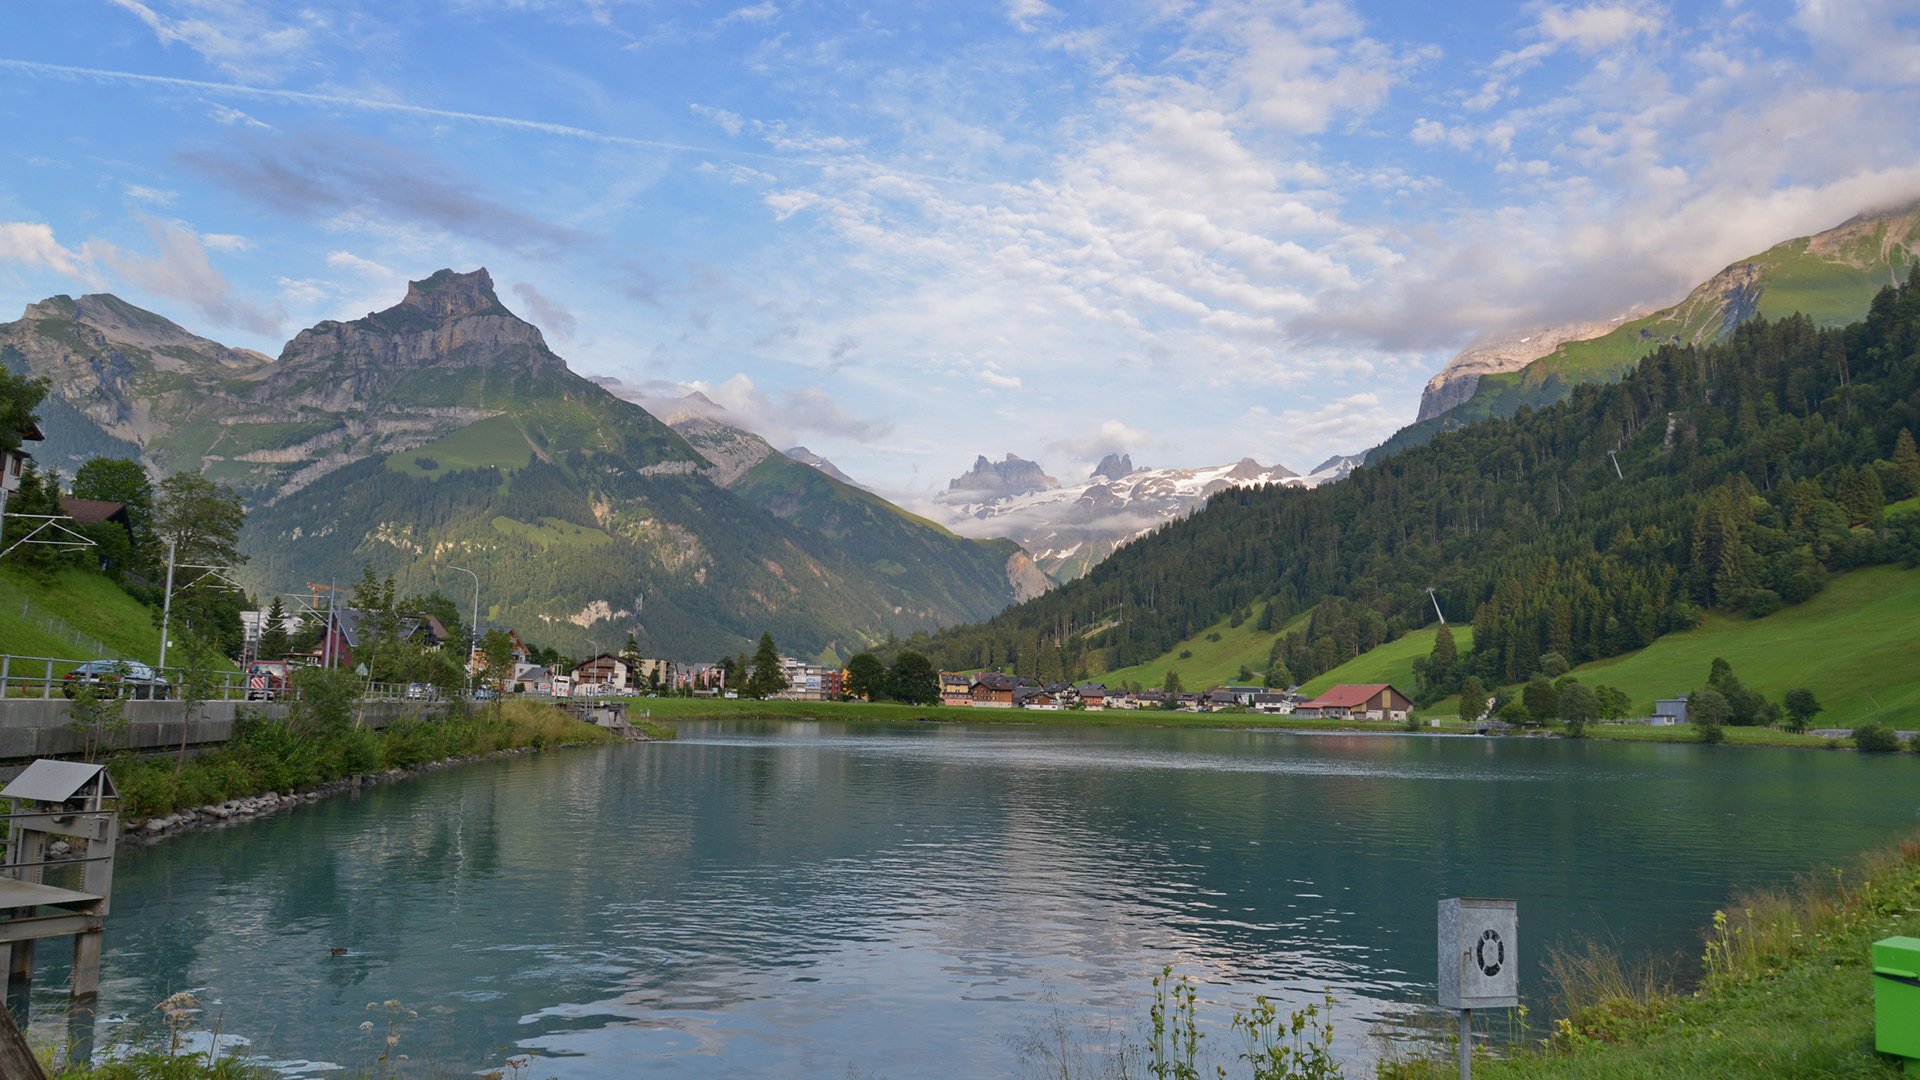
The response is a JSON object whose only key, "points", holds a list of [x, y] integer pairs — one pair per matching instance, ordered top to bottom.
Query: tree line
{"points": [[1750, 471]]}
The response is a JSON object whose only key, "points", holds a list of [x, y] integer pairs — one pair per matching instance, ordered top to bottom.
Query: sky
{"points": [[904, 234]]}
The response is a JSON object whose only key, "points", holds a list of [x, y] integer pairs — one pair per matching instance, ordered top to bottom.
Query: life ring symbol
{"points": [[1490, 942]]}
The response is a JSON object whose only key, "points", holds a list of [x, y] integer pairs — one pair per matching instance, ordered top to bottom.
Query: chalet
{"points": [[13, 463], [97, 512], [428, 630], [605, 670], [531, 679], [955, 689], [992, 690], [1092, 695], [1243, 695], [1035, 697], [1222, 698], [1152, 699], [1273, 701], [1362, 701], [1668, 712]]}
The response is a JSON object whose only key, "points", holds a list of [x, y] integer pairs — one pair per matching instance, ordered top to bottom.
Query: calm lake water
{"points": [[821, 900]]}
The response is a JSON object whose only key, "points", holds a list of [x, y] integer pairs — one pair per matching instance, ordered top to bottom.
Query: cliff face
{"points": [[447, 323], [1497, 354], [1013, 476]]}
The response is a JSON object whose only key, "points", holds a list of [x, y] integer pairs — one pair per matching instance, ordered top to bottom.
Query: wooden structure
{"points": [[57, 800]]}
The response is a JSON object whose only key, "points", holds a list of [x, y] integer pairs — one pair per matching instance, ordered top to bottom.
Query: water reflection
{"points": [[771, 901]]}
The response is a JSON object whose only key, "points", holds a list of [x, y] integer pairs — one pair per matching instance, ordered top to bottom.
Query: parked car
{"points": [[130, 678], [419, 691], [484, 694]]}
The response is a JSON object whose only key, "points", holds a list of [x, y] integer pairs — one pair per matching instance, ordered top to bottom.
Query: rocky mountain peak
{"points": [[446, 294], [1115, 466], [1009, 477]]}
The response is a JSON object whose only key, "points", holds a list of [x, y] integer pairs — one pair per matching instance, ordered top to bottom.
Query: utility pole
{"points": [[166, 607], [473, 621]]}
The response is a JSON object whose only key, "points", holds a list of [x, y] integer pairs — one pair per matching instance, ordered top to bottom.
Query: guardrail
{"points": [[46, 677]]}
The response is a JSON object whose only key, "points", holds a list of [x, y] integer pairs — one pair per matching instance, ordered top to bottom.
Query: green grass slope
{"points": [[1831, 278], [46, 618], [1853, 645], [1213, 662], [1390, 663]]}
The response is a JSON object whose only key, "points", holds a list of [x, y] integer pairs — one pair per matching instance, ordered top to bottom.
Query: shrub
{"points": [[1876, 738]]}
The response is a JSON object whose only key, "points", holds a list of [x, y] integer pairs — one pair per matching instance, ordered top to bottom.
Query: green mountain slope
{"points": [[1829, 277], [443, 431], [1751, 470], [73, 614], [1851, 645], [1389, 663]]}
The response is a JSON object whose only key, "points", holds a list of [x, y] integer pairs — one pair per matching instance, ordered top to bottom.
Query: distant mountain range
{"points": [[1830, 276], [443, 431], [1069, 528]]}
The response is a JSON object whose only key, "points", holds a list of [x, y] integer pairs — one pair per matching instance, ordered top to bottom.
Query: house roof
{"points": [[90, 511], [993, 680], [1349, 695]]}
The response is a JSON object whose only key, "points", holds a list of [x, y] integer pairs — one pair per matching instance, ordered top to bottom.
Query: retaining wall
{"points": [[32, 727]]}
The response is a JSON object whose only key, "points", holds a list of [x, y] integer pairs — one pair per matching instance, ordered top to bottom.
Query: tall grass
{"points": [[314, 747]]}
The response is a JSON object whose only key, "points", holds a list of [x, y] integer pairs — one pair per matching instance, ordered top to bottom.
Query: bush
{"points": [[1876, 738]]}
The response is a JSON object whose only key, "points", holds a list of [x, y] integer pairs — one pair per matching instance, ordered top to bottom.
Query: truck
{"points": [[267, 680]]}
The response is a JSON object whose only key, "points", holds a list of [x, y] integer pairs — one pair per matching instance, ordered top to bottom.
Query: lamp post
{"points": [[473, 620]]}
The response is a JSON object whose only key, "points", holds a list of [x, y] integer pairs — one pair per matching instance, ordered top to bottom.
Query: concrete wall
{"points": [[31, 728]]}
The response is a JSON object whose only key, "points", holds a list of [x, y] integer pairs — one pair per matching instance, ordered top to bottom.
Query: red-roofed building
{"points": [[1364, 701]]}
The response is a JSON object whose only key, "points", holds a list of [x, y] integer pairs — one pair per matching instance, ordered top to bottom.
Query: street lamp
{"points": [[473, 620]]}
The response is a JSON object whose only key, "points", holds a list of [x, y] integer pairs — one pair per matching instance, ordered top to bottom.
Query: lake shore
{"points": [[671, 709]]}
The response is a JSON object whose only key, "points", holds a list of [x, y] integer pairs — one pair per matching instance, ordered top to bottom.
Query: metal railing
{"points": [[45, 677]]}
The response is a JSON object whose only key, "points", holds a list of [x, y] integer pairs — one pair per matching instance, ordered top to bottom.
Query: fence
{"points": [[47, 677]]}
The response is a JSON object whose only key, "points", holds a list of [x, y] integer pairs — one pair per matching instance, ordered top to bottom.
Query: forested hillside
{"points": [[1749, 470]]}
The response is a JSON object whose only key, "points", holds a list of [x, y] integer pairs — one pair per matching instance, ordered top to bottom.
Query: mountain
{"points": [[1830, 277], [1497, 355], [443, 431], [808, 457], [1750, 472], [1014, 476], [1070, 528]]}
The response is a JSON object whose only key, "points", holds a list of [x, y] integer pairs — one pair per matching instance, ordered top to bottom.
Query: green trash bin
{"points": [[1896, 999]]}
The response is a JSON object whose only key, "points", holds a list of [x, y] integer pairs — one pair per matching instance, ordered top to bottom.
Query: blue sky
{"points": [[904, 234]]}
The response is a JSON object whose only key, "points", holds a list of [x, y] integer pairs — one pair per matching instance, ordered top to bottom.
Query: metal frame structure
{"points": [[69, 800]]}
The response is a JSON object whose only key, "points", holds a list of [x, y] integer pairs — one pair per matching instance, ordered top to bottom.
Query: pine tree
{"points": [[1906, 462], [273, 633], [767, 679]]}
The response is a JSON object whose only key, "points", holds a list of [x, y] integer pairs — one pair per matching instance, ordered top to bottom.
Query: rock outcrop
{"points": [[1013, 476]]}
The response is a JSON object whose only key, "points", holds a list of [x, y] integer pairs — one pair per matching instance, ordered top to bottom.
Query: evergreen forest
{"points": [[1749, 470]]}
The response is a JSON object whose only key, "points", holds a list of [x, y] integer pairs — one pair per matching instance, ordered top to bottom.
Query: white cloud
{"points": [[755, 13], [1597, 26], [238, 36], [1876, 38], [729, 122], [143, 193], [227, 242], [31, 244], [179, 269], [783, 419]]}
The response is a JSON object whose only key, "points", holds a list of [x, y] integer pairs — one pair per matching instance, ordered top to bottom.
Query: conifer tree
{"points": [[273, 633]]}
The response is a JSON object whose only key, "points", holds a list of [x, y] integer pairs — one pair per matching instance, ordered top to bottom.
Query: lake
{"points": [[760, 900]]}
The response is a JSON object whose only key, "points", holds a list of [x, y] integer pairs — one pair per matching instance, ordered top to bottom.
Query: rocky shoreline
{"points": [[251, 807]]}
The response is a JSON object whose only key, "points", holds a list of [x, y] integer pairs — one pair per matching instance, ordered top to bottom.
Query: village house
{"points": [[13, 463], [604, 670], [647, 674], [955, 689], [992, 690], [1092, 695], [1036, 697], [1361, 701]]}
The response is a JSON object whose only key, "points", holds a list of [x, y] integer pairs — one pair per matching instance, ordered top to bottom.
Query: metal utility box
{"points": [[1479, 953], [1896, 999]]}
